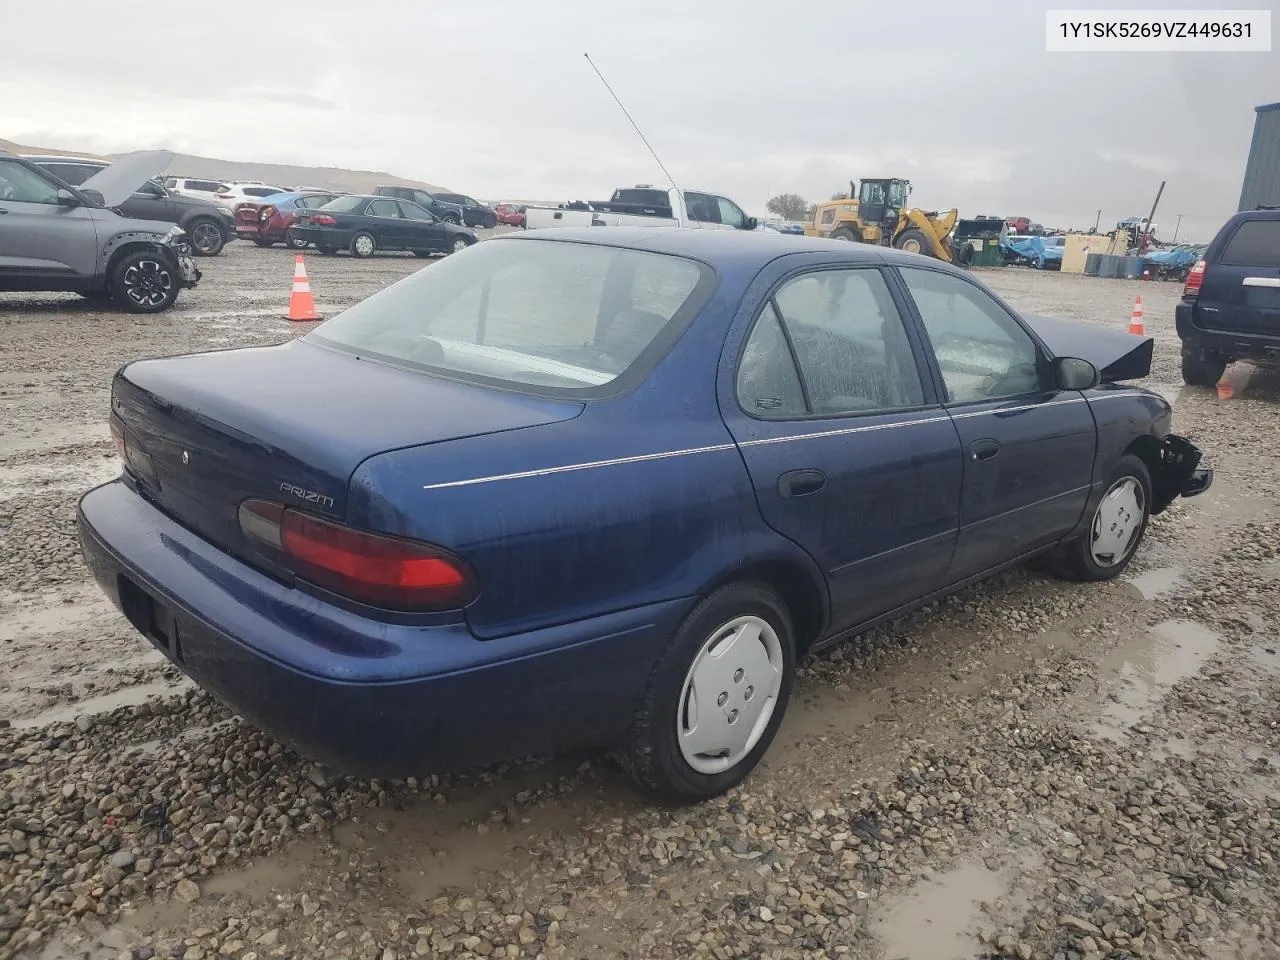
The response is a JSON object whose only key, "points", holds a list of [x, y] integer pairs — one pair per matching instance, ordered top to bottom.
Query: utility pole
{"points": [[1097, 222], [1175, 228], [1145, 235]]}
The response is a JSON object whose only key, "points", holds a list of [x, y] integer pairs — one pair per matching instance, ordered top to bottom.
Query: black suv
{"points": [[449, 212], [474, 213], [208, 229], [1230, 307]]}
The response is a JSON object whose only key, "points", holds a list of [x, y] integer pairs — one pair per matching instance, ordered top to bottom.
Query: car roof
{"points": [[52, 158], [727, 247]]}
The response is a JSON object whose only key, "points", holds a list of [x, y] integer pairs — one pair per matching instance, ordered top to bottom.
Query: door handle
{"points": [[983, 449], [801, 483]]}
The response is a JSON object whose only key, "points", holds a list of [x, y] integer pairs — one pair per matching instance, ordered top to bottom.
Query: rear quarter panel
{"points": [[640, 499]]}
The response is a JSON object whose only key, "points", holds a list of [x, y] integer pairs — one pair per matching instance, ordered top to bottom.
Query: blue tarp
{"points": [[1037, 250], [1175, 258]]}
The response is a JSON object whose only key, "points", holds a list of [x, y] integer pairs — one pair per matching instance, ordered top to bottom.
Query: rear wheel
{"points": [[842, 233], [206, 236], [913, 241], [294, 242], [363, 244], [144, 282], [1201, 368], [1117, 527], [716, 696]]}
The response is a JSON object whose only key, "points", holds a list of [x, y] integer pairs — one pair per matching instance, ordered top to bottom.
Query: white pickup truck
{"points": [[645, 206]]}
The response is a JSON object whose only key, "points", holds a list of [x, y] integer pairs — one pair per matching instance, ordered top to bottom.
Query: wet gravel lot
{"points": [[1030, 769]]}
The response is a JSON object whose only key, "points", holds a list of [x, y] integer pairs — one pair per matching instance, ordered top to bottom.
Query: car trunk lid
{"points": [[288, 423]]}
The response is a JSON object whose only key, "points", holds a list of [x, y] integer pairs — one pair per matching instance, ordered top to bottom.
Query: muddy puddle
{"points": [[1158, 582], [1147, 668], [946, 916]]}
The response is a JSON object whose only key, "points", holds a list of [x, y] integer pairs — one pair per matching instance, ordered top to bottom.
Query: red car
{"points": [[510, 213], [268, 221]]}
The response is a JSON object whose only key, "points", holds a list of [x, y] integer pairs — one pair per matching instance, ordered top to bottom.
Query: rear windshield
{"points": [[345, 204], [1256, 243], [550, 317]]}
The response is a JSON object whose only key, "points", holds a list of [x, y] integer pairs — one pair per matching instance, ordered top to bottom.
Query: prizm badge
{"points": [[310, 496]]}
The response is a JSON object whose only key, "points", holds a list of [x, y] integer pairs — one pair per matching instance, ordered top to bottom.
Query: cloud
{"points": [[747, 98]]}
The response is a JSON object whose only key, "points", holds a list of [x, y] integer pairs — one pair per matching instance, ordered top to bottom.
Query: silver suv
{"points": [[57, 237]]}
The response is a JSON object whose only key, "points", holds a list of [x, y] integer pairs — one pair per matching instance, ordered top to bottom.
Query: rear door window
{"points": [[384, 208], [1256, 243]]}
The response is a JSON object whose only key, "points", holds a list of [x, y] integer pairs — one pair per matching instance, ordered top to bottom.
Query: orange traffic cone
{"points": [[302, 306], [1135, 322], [1225, 390]]}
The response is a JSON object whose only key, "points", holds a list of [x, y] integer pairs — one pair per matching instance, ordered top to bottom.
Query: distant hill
{"points": [[276, 174]]}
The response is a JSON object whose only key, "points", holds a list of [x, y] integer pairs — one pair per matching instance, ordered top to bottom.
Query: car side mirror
{"points": [[95, 197], [67, 199], [750, 223], [1072, 373]]}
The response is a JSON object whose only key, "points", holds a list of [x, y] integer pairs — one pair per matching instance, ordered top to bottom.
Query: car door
{"points": [[150, 202], [702, 209], [731, 215], [386, 225], [423, 230], [41, 239], [1241, 288], [1028, 446], [849, 452]]}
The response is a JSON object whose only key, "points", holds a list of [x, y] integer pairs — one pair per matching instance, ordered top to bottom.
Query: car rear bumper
{"points": [[257, 231], [1234, 345], [367, 697]]}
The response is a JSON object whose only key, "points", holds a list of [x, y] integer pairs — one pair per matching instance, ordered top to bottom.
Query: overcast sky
{"points": [[747, 98]]}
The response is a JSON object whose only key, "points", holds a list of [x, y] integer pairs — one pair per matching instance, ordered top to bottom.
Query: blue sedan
{"points": [[605, 488]]}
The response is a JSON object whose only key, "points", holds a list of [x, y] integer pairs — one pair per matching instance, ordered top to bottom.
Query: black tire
{"points": [[490, 222], [843, 233], [206, 237], [911, 238], [294, 242], [264, 243], [358, 243], [327, 251], [144, 282], [1201, 368], [1077, 560], [652, 753]]}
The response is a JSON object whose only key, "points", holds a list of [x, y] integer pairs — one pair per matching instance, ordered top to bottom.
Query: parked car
{"points": [[197, 189], [234, 192], [645, 206], [449, 212], [474, 213], [510, 214], [271, 221], [367, 224], [208, 229], [54, 236], [1230, 307], [574, 489]]}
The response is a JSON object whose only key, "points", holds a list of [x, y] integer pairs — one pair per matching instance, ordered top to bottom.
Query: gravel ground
{"points": [[1029, 769]]}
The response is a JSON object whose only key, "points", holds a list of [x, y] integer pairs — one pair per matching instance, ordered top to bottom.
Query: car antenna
{"points": [[636, 126]]}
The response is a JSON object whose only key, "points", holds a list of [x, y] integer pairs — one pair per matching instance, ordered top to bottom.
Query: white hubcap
{"points": [[364, 245], [459, 245], [1117, 522], [729, 695]]}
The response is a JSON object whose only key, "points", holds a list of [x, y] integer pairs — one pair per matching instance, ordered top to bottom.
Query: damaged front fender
{"points": [[1179, 473]]}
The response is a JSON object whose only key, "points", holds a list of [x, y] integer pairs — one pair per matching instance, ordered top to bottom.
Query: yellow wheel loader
{"points": [[877, 212]]}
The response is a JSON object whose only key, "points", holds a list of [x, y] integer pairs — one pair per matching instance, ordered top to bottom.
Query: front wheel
{"points": [[207, 239], [913, 241], [363, 244], [458, 245], [144, 282], [1201, 368], [1116, 528], [716, 696]]}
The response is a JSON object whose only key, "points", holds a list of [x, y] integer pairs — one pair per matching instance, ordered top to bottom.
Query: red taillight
{"points": [[266, 213], [323, 219], [1195, 277], [372, 568]]}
